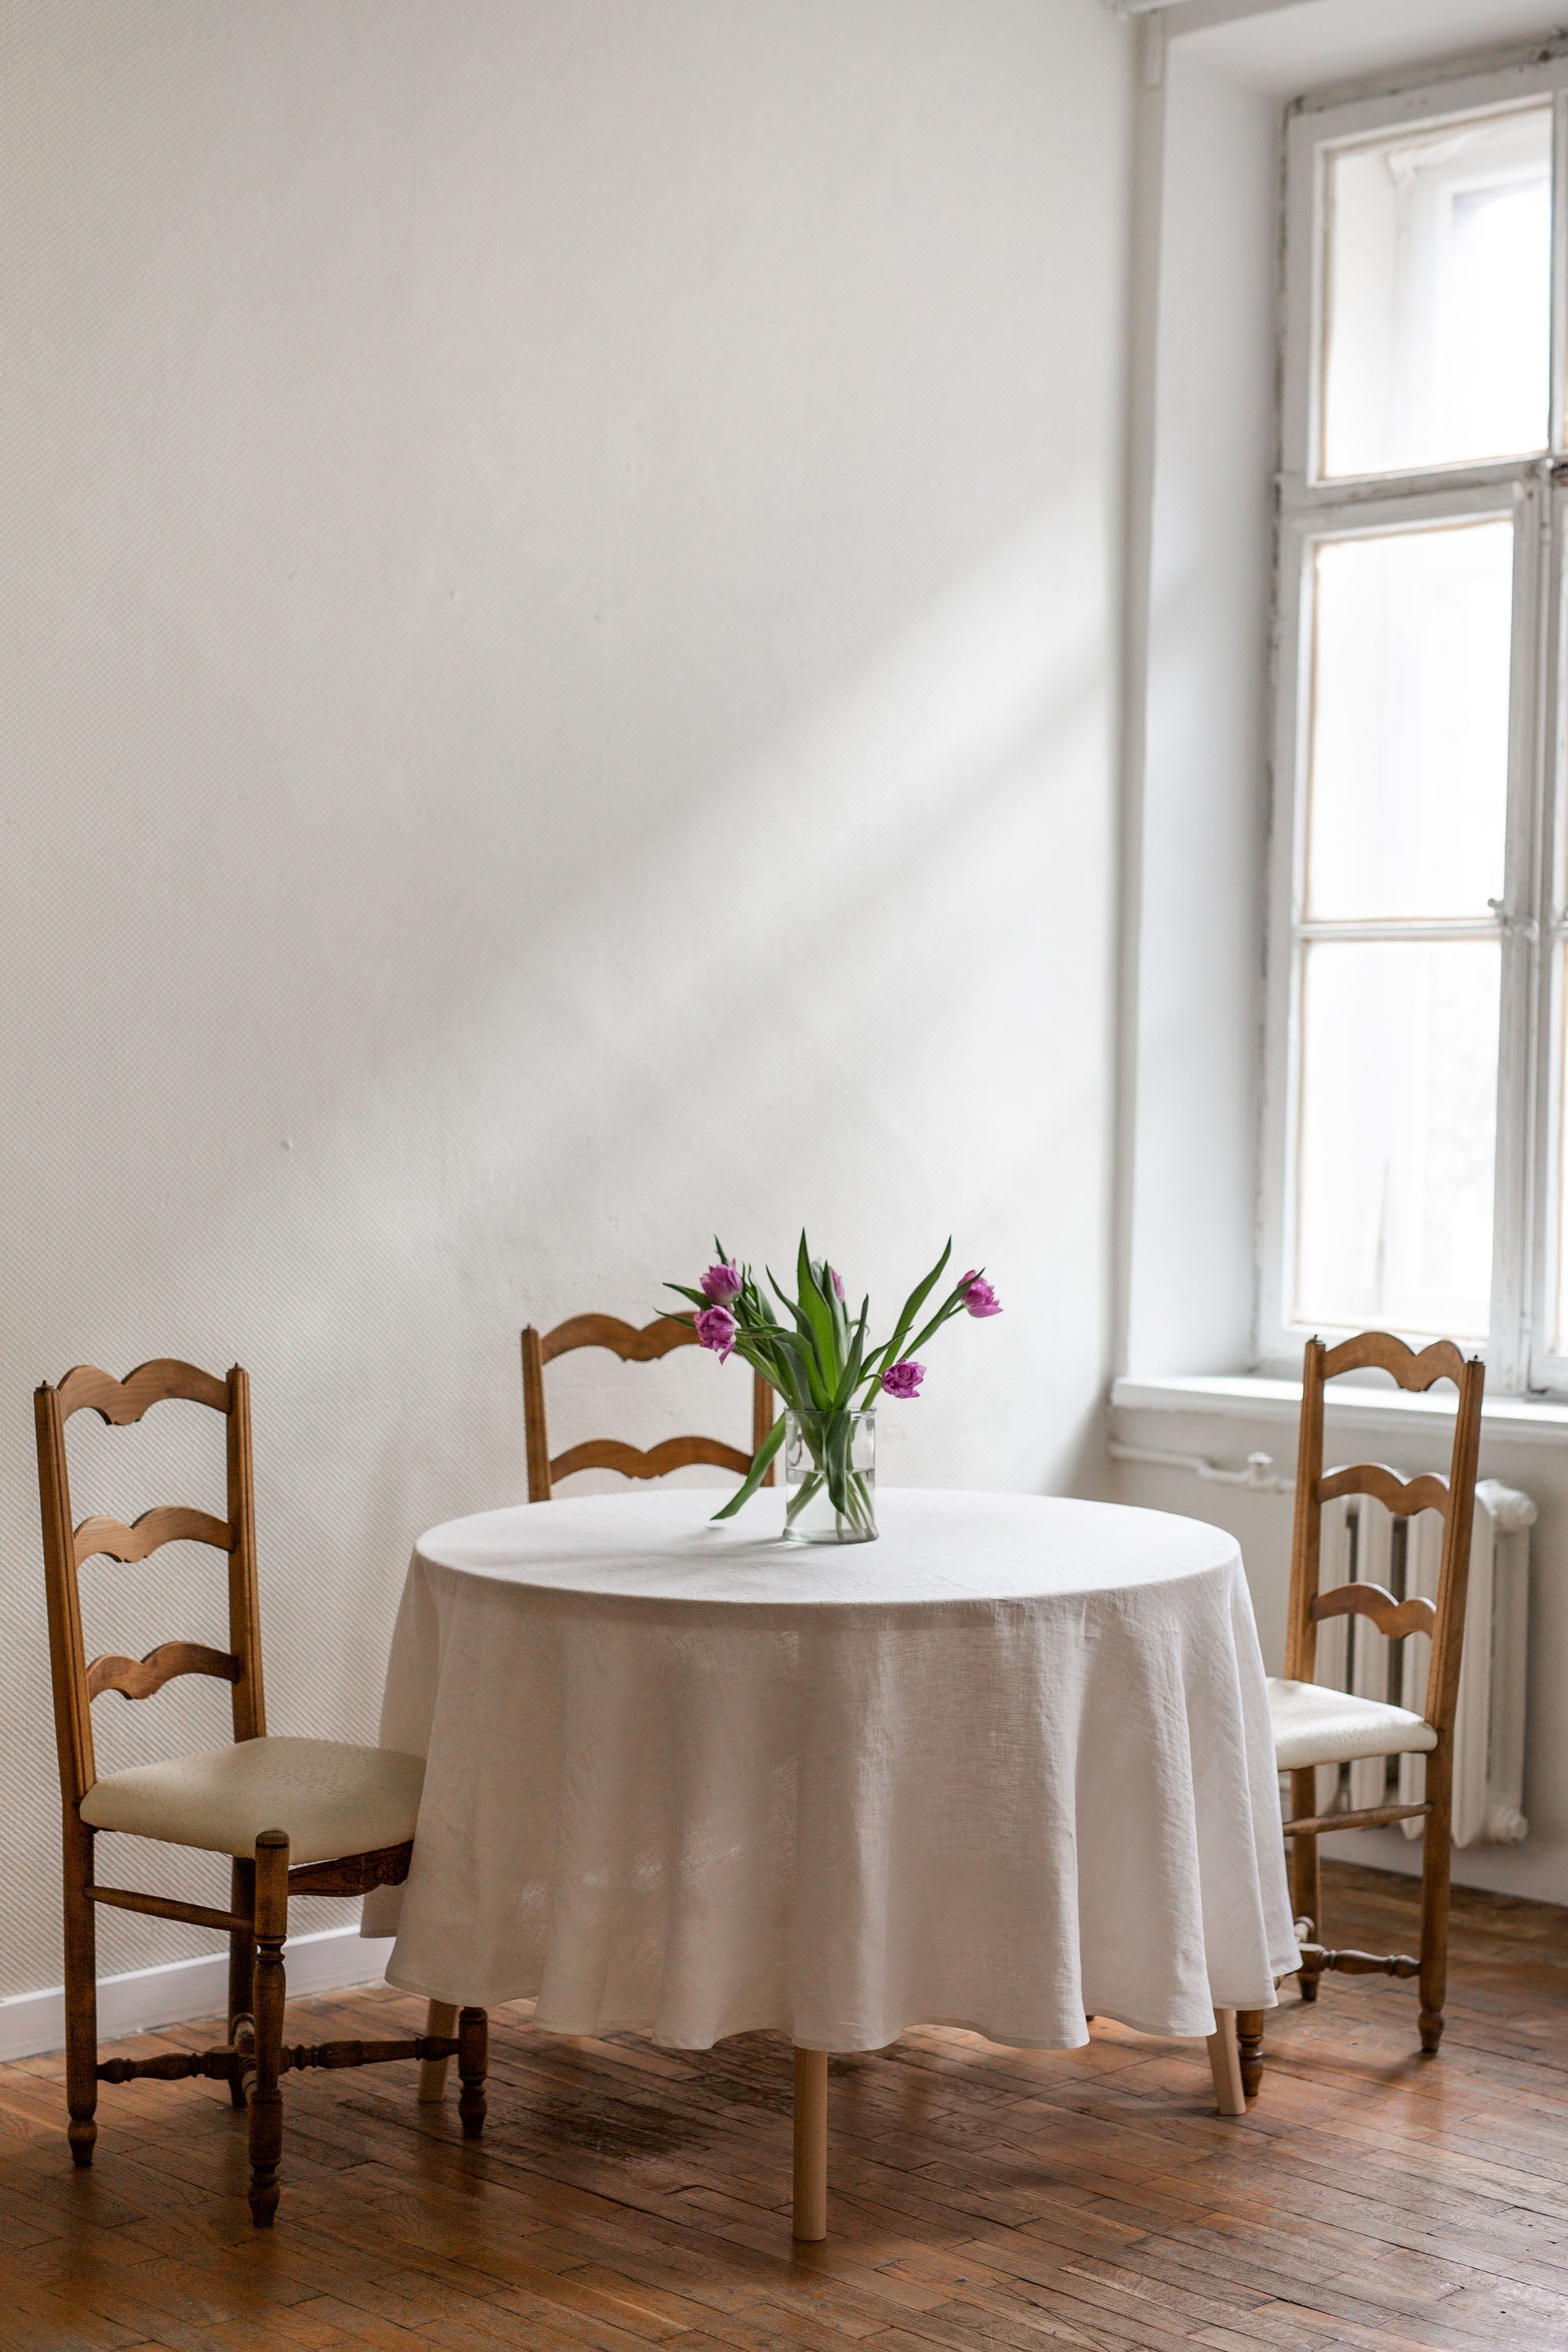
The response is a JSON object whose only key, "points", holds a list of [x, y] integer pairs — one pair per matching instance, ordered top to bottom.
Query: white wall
{"points": [[1289, 45], [559, 691], [1200, 949]]}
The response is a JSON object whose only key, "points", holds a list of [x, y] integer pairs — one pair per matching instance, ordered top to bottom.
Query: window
{"points": [[1418, 982]]}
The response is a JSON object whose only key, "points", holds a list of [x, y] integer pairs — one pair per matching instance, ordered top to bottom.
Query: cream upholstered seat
{"points": [[1316, 1726], [328, 1798]]}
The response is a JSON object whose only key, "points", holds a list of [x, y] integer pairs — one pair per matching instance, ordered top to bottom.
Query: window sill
{"points": [[1529, 1421]]}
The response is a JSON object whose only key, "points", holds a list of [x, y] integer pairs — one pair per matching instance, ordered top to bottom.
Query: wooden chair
{"points": [[623, 1340], [1313, 1725], [295, 1816]]}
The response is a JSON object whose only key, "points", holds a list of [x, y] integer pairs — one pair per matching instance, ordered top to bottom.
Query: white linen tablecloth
{"points": [[1007, 1765]]}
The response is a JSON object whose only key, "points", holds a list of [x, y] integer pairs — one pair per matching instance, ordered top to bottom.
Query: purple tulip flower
{"points": [[838, 1280], [720, 1284], [978, 1295], [716, 1330], [903, 1380]]}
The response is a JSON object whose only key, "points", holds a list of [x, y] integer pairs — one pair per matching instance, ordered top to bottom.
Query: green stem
{"points": [[801, 1496]]}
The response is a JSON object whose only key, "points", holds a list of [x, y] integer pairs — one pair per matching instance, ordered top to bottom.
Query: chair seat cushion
{"points": [[1314, 1725], [330, 1798]]}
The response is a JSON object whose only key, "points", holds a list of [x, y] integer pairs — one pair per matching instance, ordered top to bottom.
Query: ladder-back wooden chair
{"points": [[623, 1340], [1314, 1725], [295, 1816]]}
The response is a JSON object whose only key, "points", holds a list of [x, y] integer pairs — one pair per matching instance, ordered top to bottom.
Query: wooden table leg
{"points": [[441, 2025], [1250, 2048], [1224, 2060], [810, 2145]]}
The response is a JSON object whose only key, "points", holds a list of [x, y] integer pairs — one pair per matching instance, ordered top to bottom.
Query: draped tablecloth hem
{"points": [[1017, 1752], [851, 2040]]}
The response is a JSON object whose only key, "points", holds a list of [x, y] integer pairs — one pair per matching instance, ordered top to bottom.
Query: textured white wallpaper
{"points": [[559, 691]]}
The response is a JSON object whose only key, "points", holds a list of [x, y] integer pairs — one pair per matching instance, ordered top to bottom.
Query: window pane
{"points": [[1437, 289], [1408, 783], [1399, 1045]]}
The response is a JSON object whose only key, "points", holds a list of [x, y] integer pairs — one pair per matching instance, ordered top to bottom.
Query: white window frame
{"points": [[1529, 921]]}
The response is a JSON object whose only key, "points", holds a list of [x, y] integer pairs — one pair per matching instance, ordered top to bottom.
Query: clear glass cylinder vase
{"points": [[830, 1477]]}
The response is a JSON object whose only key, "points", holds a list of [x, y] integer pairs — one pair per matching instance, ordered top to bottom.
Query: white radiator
{"points": [[1362, 1543]]}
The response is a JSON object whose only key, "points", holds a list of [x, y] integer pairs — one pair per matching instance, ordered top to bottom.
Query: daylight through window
{"points": [[1416, 1126]]}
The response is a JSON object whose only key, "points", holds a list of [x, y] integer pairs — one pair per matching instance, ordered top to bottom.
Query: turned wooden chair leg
{"points": [[1437, 1863], [1306, 1871], [241, 1973], [82, 1991], [441, 2025], [473, 2040], [1249, 2050], [1224, 2062], [266, 2093], [810, 2146]]}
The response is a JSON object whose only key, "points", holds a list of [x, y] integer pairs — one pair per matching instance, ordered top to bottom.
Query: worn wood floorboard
{"points": [[626, 2197]]}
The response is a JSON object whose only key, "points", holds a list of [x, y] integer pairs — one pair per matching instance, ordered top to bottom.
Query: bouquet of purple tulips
{"points": [[820, 1362]]}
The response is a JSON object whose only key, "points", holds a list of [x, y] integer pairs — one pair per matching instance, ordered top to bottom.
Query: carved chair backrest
{"points": [[633, 1345], [1454, 1496], [79, 1680]]}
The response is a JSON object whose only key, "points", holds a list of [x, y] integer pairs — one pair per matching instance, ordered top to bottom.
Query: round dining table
{"points": [[1008, 1767]]}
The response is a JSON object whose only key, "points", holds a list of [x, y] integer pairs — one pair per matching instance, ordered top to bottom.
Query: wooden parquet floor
{"points": [[625, 2196]]}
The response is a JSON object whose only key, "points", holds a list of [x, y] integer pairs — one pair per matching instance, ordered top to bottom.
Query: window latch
{"points": [[1524, 927]]}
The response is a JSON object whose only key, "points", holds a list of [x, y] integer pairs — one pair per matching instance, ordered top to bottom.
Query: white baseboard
{"points": [[142, 1999]]}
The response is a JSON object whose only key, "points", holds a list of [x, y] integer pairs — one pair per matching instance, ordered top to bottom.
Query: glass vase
{"points": [[830, 1477]]}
